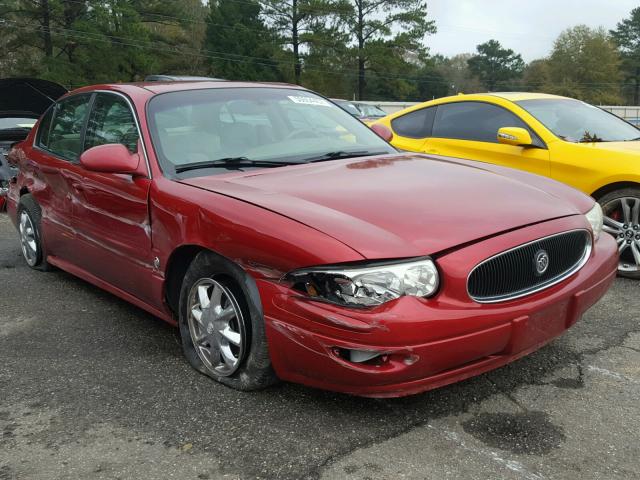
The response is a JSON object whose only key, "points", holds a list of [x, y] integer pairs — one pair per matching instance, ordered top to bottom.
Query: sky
{"points": [[528, 27]]}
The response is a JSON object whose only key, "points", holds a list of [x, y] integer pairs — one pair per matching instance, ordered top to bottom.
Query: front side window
{"points": [[111, 121], [473, 121], [576, 121], [416, 124], [274, 125], [65, 134]]}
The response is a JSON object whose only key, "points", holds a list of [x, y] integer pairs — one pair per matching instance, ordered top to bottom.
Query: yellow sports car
{"points": [[562, 138]]}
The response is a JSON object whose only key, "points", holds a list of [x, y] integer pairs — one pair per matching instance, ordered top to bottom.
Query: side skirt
{"points": [[88, 277]]}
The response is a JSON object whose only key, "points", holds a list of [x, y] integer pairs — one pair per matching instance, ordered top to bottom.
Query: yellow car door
{"points": [[469, 129]]}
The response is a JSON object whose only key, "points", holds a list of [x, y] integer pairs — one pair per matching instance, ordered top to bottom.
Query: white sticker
{"points": [[310, 101]]}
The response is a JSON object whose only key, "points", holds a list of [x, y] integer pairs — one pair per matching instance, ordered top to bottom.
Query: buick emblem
{"points": [[541, 261]]}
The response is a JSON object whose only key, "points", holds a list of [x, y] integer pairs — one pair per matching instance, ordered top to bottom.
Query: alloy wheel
{"points": [[622, 220], [28, 240], [217, 326]]}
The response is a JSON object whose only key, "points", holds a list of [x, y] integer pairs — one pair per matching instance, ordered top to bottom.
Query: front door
{"points": [[469, 130], [111, 211]]}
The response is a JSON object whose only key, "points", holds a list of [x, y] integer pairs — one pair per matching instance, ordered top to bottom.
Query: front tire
{"points": [[622, 220], [29, 228], [221, 324]]}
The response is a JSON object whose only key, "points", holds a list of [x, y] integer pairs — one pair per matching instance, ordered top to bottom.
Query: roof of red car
{"points": [[162, 87]]}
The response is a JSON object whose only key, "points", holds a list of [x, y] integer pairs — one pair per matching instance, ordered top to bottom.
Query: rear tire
{"points": [[622, 220], [29, 229], [222, 326]]}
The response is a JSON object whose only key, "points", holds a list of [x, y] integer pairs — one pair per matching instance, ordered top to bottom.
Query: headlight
{"points": [[596, 219], [369, 285]]}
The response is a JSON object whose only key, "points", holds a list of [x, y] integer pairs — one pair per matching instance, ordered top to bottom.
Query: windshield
{"points": [[576, 121], [16, 122], [254, 124]]}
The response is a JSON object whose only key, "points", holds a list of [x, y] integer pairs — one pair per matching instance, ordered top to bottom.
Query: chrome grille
{"points": [[521, 271]]}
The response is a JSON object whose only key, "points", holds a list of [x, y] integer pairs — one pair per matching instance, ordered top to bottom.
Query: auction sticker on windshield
{"points": [[310, 101]]}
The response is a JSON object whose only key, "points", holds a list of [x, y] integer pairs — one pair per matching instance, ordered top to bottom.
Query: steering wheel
{"points": [[301, 133]]}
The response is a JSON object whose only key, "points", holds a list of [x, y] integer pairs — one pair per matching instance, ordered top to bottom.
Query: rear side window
{"points": [[111, 121], [473, 121], [416, 124], [65, 137]]}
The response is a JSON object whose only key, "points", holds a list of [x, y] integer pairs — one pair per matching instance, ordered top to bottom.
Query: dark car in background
{"points": [[22, 101], [348, 107], [362, 111], [370, 113]]}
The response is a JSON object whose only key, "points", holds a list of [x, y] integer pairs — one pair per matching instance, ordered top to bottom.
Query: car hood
{"points": [[28, 95], [632, 147], [401, 205]]}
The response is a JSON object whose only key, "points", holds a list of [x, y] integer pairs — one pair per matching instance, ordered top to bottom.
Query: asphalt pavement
{"points": [[94, 388]]}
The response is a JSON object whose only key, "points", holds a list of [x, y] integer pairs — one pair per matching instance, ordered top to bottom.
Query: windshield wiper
{"points": [[341, 154], [230, 163]]}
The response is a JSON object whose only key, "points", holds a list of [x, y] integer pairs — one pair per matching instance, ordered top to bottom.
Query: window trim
{"points": [[536, 136]]}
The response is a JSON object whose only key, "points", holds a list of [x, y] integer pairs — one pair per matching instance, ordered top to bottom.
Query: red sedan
{"points": [[287, 240]]}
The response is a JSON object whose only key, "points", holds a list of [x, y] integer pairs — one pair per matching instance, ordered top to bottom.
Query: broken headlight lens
{"points": [[596, 219], [368, 286]]}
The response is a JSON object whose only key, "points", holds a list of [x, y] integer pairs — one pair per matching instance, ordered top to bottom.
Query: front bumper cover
{"points": [[428, 343]]}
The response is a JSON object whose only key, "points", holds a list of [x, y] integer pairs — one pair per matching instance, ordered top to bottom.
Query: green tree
{"points": [[300, 24], [380, 28], [627, 38], [77, 42], [240, 44], [327, 61], [584, 64], [495, 66], [456, 73], [536, 75]]}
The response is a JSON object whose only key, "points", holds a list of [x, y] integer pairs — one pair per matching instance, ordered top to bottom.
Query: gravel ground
{"points": [[93, 388]]}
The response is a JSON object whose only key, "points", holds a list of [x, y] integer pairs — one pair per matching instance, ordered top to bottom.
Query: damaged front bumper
{"points": [[412, 344]]}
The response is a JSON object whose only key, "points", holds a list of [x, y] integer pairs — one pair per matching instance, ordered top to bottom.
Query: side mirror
{"points": [[382, 131], [516, 136], [112, 158]]}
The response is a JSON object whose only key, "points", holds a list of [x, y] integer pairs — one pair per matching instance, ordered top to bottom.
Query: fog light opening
{"points": [[365, 357]]}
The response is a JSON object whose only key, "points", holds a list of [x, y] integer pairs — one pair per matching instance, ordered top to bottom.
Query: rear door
{"points": [[469, 130], [52, 163], [110, 211]]}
